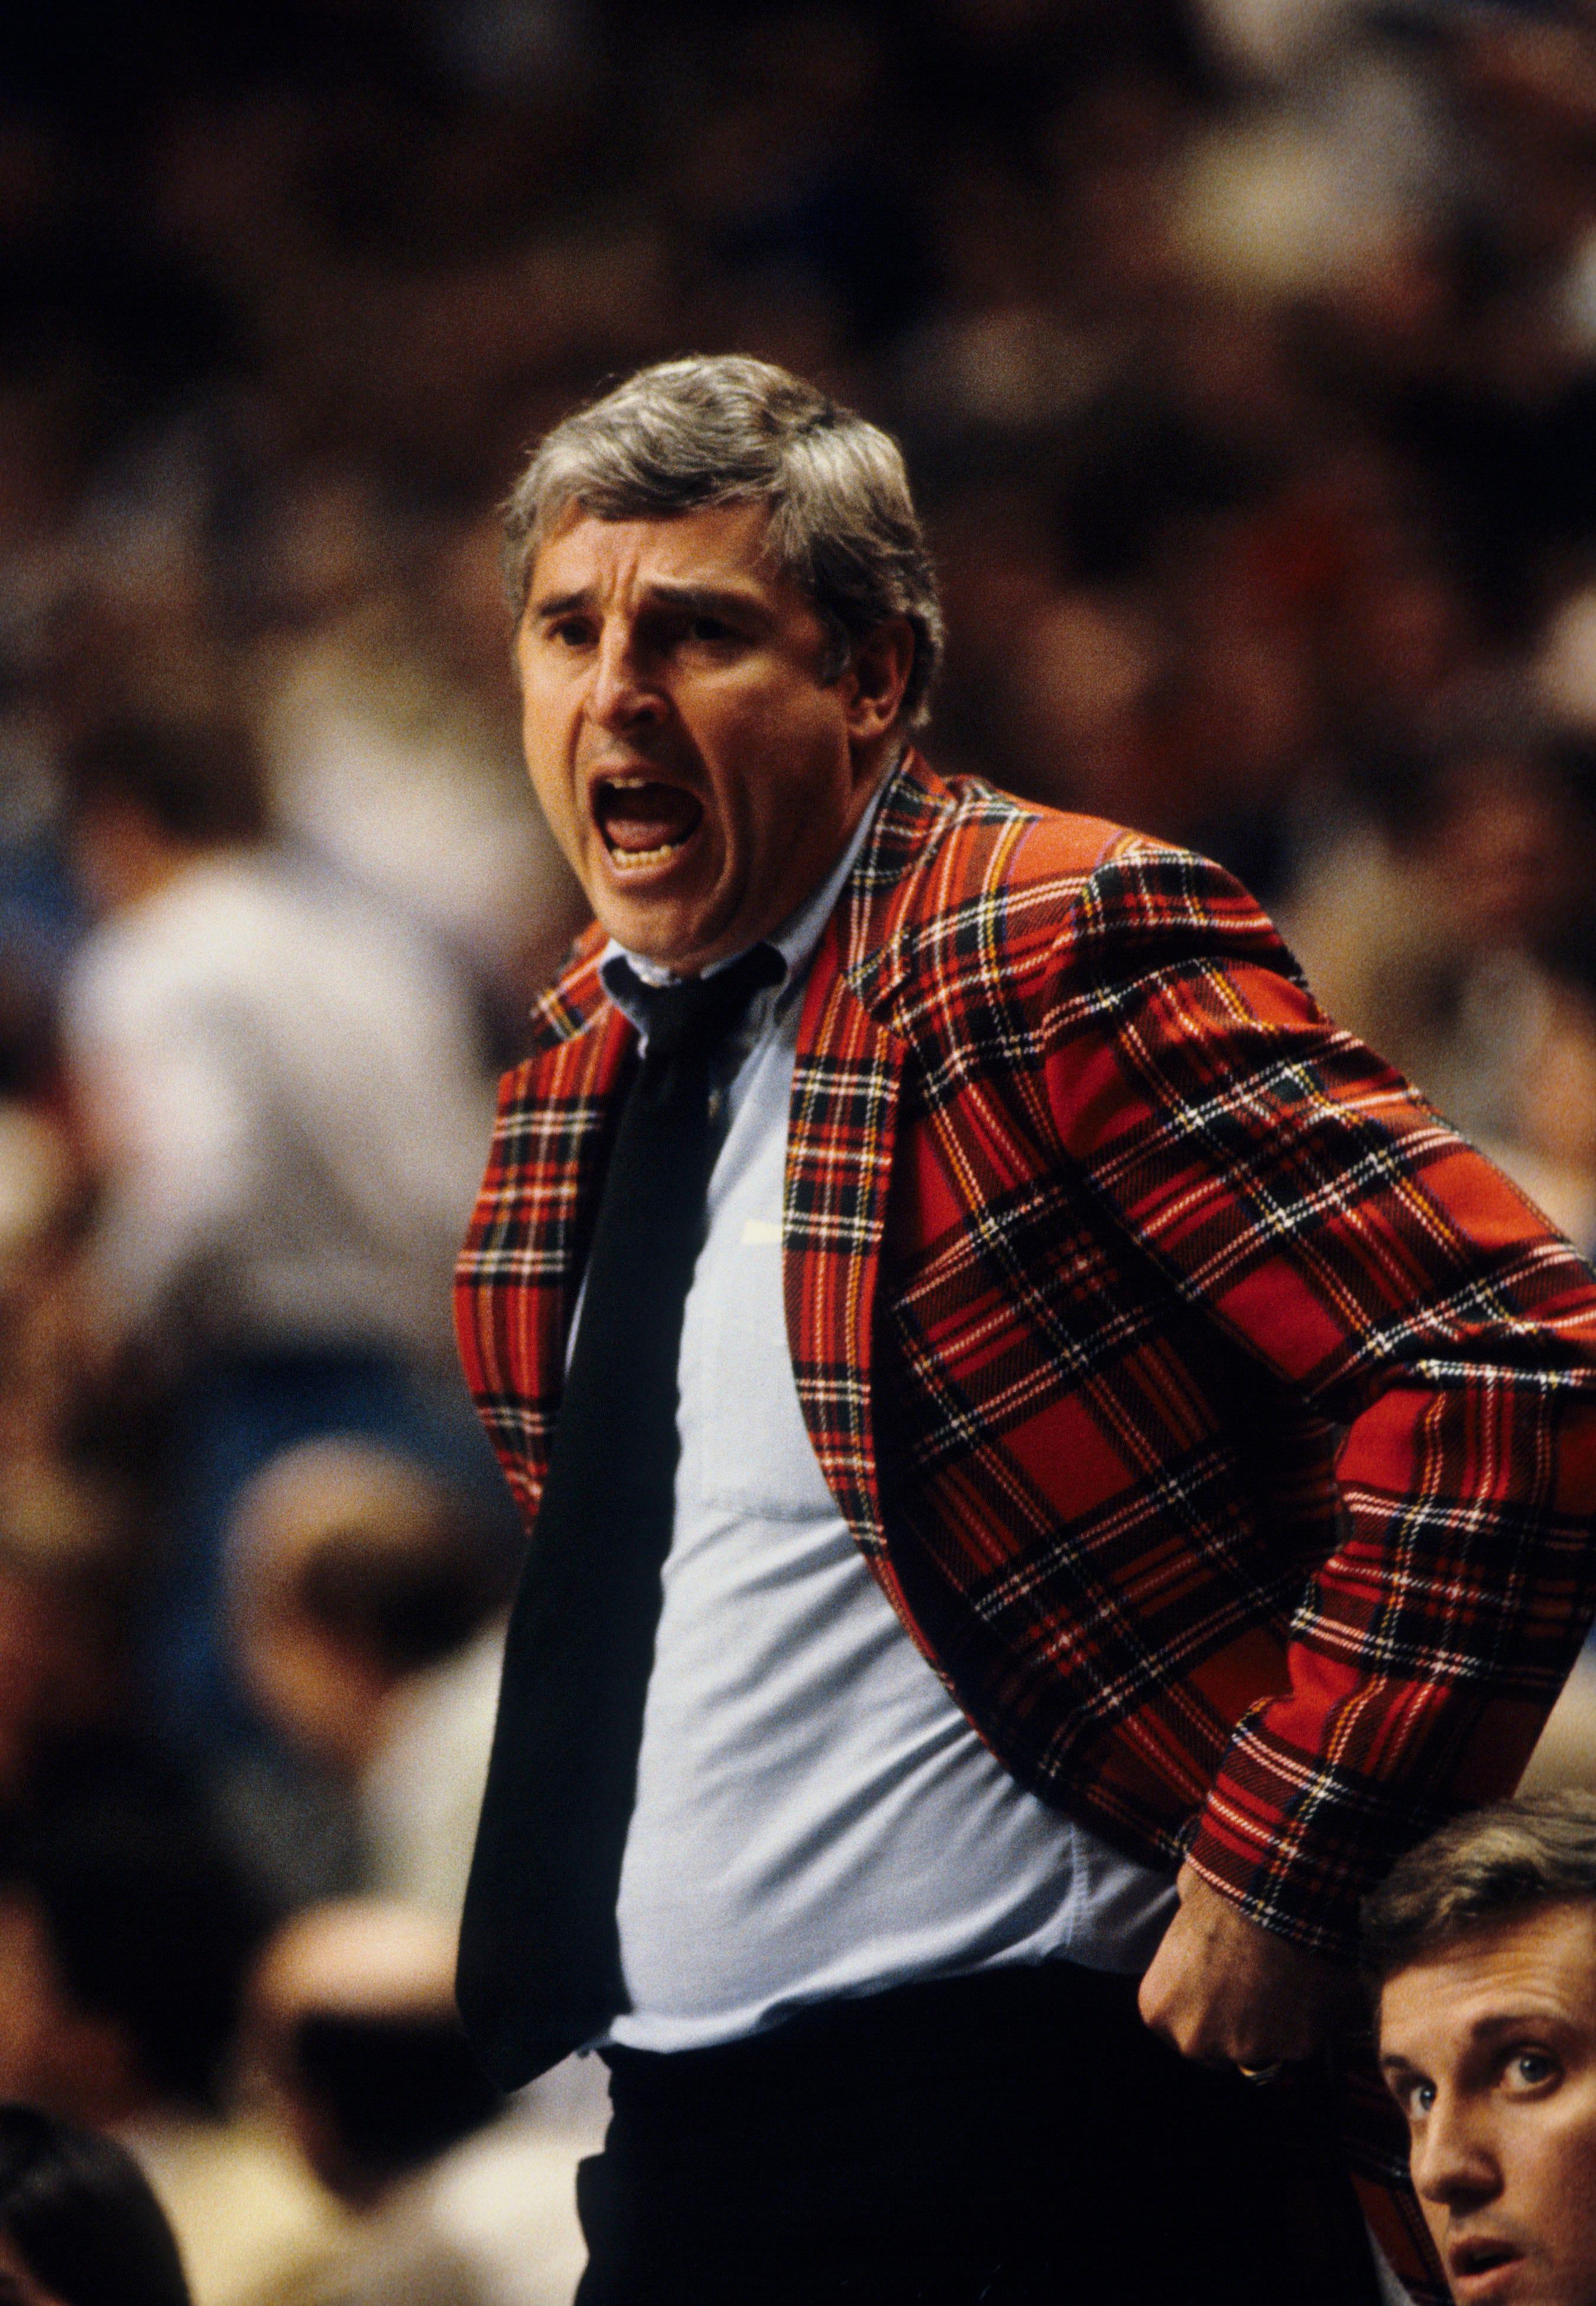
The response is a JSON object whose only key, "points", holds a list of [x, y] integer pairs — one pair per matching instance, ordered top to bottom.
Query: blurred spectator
{"points": [[392, 749], [41, 916], [1418, 927], [247, 1036], [282, 1089], [1549, 1145], [40, 1197], [75, 1555], [69, 1579], [366, 1600], [125, 1932], [459, 2202], [79, 2225]]}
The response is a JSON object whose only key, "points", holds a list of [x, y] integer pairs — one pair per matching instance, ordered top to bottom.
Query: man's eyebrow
{"points": [[705, 599], [702, 600], [562, 604], [1498, 2022]]}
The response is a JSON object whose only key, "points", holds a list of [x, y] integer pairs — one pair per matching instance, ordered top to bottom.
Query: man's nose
{"points": [[623, 693], [1453, 2160]]}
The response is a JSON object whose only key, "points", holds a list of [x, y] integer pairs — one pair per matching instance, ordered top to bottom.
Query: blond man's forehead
{"points": [[1540, 1964]]}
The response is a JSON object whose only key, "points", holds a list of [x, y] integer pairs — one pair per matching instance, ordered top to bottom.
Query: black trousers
{"points": [[1013, 2140]]}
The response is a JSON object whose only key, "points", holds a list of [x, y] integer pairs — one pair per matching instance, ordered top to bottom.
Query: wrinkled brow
{"points": [[700, 600]]}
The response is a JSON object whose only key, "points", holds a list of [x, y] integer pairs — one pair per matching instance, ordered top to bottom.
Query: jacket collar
{"points": [[876, 899]]}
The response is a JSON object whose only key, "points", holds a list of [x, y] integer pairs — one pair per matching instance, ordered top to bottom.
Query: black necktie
{"points": [[540, 1954]]}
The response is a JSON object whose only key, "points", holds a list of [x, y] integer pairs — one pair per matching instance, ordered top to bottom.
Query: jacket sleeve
{"points": [[1304, 1196]]}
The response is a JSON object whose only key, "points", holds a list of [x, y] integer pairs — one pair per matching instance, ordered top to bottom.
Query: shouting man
{"points": [[1048, 1465]]}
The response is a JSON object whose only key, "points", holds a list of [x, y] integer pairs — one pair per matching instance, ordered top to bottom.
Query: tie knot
{"points": [[687, 1019]]}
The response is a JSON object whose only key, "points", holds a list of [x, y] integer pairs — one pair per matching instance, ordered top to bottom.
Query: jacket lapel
{"points": [[585, 1074], [842, 1135], [519, 1271]]}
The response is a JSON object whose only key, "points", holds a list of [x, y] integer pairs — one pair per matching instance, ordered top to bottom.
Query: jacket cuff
{"points": [[1296, 1844]]}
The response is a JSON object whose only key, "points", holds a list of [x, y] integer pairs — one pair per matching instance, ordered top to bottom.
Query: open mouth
{"points": [[644, 821]]}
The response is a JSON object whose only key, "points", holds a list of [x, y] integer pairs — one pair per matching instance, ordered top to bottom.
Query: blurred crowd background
{"points": [[1244, 351]]}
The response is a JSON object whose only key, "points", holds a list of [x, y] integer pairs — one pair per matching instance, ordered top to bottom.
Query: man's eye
{"points": [[708, 629], [1532, 2069], [1414, 2097]]}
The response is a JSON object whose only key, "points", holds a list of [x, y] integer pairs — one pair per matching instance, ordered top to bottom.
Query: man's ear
{"points": [[876, 677]]}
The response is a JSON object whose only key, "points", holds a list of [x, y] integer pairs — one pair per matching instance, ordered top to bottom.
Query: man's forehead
{"points": [[720, 544], [1467, 1988]]}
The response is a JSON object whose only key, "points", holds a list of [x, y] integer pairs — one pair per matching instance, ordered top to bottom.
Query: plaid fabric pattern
{"points": [[521, 1263], [1222, 1427], [1225, 1427]]}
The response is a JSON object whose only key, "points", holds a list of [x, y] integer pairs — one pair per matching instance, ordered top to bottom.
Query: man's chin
{"points": [[681, 937]]}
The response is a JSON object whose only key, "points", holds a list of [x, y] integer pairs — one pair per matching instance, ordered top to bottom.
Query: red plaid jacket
{"points": [[1221, 1426]]}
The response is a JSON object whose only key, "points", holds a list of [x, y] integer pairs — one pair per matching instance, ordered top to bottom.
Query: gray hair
{"points": [[686, 434], [1492, 1865]]}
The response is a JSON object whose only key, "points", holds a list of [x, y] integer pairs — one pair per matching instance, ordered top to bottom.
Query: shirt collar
{"points": [[795, 940]]}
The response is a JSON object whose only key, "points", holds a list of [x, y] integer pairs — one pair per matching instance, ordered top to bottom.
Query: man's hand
{"points": [[1227, 1993]]}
